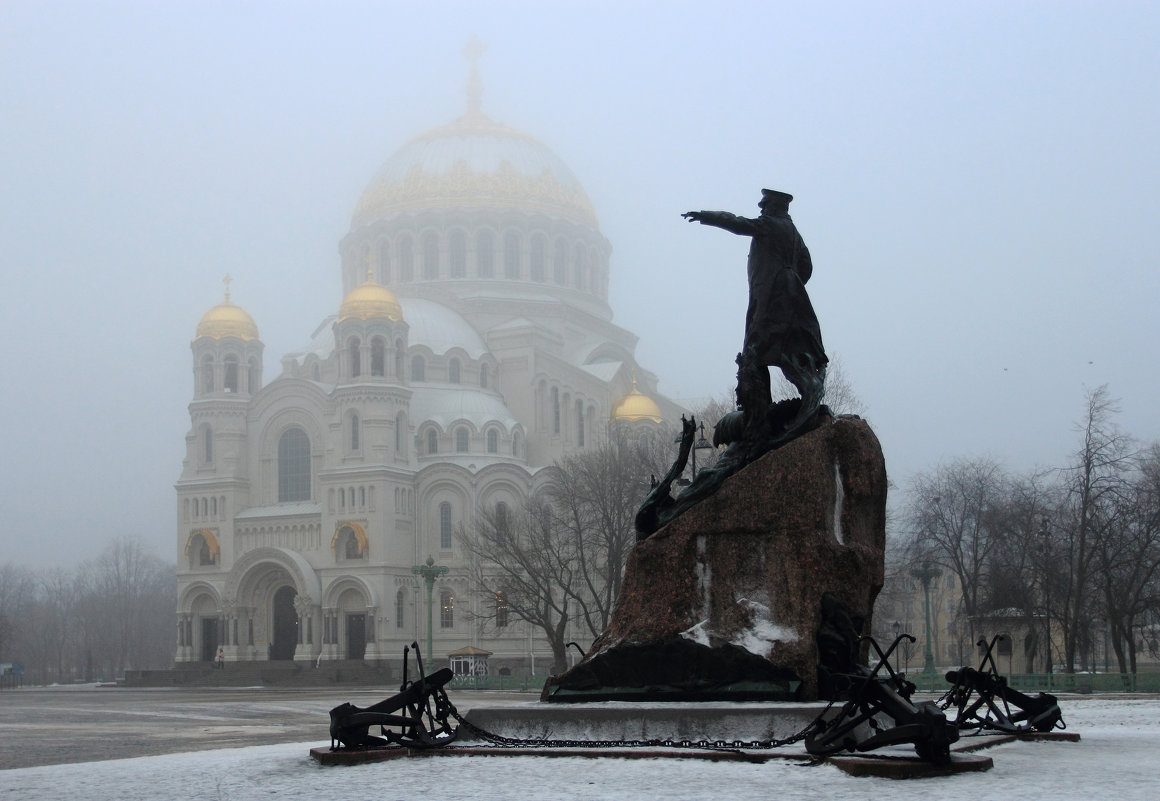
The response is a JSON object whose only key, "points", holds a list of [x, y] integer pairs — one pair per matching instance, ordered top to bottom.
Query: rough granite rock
{"points": [[773, 576]]}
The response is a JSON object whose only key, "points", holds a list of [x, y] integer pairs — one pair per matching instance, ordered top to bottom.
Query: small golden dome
{"points": [[370, 300], [227, 320], [635, 407]]}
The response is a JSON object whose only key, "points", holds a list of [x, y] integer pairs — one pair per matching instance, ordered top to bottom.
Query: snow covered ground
{"points": [[1117, 759]]}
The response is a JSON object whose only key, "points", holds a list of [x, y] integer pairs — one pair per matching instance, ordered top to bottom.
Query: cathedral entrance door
{"points": [[356, 636], [209, 638], [285, 638]]}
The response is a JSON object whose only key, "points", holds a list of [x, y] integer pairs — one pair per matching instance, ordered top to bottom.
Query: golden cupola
{"points": [[370, 300], [227, 320], [635, 407]]}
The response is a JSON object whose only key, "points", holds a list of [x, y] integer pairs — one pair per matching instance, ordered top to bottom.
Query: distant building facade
{"points": [[473, 347]]}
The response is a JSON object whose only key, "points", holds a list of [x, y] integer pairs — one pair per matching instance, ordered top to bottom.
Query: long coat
{"points": [[780, 321]]}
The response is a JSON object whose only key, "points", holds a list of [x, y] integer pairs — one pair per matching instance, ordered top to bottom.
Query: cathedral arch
{"points": [[457, 252], [484, 253], [511, 255], [430, 256], [406, 259], [536, 263], [560, 263], [353, 357], [378, 357], [230, 381], [207, 382], [293, 465]]}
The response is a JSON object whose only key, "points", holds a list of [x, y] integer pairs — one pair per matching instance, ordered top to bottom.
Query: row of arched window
{"points": [[485, 255], [230, 377], [561, 415], [461, 440], [352, 499], [205, 508]]}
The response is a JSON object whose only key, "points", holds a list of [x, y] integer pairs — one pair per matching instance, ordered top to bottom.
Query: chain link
{"points": [[703, 744]]}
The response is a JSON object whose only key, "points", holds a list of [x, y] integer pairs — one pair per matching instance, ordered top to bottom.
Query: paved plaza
{"points": [[59, 725]]}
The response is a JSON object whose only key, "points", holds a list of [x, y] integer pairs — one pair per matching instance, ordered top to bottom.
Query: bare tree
{"points": [[1095, 485], [951, 513], [1128, 558], [559, 560], [17, 597]]}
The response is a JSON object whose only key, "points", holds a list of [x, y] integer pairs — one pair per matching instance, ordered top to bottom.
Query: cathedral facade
{"points": [[474, 345]]}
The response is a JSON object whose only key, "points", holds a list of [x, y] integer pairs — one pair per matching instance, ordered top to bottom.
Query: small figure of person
{"points": [[220, 659]]}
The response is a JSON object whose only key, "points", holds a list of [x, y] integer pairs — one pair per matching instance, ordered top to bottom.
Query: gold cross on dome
{"points": [[472, 51], [227, 280]]}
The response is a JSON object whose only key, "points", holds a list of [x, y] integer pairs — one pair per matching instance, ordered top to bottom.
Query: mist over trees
{"points": [[1075, 548], [557, 562], [112, 613]]}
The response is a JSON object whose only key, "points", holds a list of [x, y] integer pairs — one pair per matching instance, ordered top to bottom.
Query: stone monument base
{"points": [[760, 591]]}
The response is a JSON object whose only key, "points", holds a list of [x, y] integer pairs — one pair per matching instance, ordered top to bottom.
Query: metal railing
{"points": [[521, 684]]}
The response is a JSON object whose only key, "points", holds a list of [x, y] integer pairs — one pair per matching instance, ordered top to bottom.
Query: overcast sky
{"points": [[978, 183]]}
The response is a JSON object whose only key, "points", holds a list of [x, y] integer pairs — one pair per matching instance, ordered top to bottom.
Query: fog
{"points": [[977, 184]]}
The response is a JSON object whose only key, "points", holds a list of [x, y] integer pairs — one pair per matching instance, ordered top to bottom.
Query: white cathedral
{"points": [[474, 346]]}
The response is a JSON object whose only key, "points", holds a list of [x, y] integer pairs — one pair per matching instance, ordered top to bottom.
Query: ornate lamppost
{"points": [[1046, 535], [429, 572], [925, 574]]}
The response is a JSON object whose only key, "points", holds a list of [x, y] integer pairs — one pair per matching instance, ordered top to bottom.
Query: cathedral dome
{"points": [[474, 161], [369, 300], [227, 320], [635, 407]]}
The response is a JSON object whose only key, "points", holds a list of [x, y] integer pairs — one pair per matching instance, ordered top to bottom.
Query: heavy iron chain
{"points": [[668, 742]]}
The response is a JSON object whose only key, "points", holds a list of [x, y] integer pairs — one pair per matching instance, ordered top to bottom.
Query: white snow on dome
{"points": [[439, 328], [444, 405]]}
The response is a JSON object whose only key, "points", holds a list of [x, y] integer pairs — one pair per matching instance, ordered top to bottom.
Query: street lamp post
{"points": [[1046, 534], [429, 572], [925, 574], [897, 630]]}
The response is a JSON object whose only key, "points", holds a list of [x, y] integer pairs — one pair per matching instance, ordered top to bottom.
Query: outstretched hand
{"points": [[693, 216]]}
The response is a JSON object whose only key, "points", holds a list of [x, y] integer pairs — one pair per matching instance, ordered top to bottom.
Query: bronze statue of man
{"points": [[781, 328]]}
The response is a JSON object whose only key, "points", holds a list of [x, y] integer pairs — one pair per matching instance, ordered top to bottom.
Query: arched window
{"points": [[457, 247], [483, 254], [511, 255], [430, 256], [406, 259], [560, 263], [385, 264], [537, 265], [581, 268], [353, 348], [378, 357], [418, 369], [453, 371], [483, 371], [316, 372], [207, 373], [231, 379], [253, 380], [555, 410], [580, 423], [353, 432], [400, 433], [461, 440], [432, 441], [492, 441], [516, 444], [208, 445], [293, 466], [362, 497], [341, 498], [213, 506], [502, 517], [445, 526], [205, 556], [400, 608], [446, 609], [501, 610]]}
